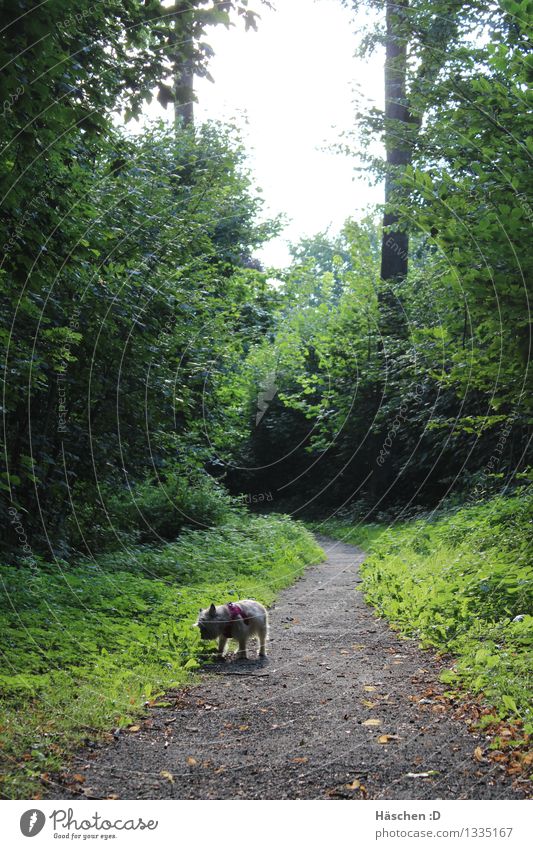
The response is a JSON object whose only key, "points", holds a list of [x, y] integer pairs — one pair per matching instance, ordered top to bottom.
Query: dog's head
{"points": [[208, 623]]}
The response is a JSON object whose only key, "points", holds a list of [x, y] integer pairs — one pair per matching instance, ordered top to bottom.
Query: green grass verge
{"points": [[458, 582], [86, 645]]}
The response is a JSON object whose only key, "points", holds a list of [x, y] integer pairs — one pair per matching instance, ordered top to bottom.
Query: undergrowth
{"points": [[86, 645]]}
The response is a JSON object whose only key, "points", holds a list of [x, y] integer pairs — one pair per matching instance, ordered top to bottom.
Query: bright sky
{"points": [[290, 86]]}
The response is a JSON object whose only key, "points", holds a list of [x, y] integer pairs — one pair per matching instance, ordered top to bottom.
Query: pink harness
{"points": [[234, 610]]}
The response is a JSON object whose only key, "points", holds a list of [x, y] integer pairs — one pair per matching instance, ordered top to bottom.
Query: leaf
{"points": [[447, 676], [369, 688], [509, 703], [369, 704], [372, 722], [133, 728], [386, 738], [478, 753], [300, 760], [191, 761], [168, 775], [79, 777], [355, 785]]}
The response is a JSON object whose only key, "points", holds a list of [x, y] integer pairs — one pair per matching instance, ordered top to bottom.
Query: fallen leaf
{"points": [[370, 688], [368, 704], [372, 722], [243, 727], [134, 728], [386, 738], [478, 753], [300, 760], [192, 761], [422, 774], [168, 775], [79, 778], [355, 785], [112, 796]]}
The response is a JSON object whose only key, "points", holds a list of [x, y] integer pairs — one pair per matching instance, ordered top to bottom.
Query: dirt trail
{"points": [[294, 727]]}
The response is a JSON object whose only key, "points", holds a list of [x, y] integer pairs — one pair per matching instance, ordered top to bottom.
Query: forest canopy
{"points": [[148, 355]]}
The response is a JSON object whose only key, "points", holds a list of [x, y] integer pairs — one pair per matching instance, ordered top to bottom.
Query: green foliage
{"points": [[133, 333], [151, 511], [462, 583], [87, 644]]}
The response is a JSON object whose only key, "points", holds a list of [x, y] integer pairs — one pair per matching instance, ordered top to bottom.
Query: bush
{"points": [[150, 511]]}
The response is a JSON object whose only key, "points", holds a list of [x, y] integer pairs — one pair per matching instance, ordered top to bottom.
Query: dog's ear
{"points": [[212, 610]]}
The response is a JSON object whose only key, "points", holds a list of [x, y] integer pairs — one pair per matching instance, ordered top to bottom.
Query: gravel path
{"points": [[297, 726]]}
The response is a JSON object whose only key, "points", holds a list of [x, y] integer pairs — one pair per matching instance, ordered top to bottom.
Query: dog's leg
{"points": [[262, 642], [221, 646], [241, 654]]}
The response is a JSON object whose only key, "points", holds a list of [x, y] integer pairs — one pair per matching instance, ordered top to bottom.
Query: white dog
{"points": [[237, 620]]}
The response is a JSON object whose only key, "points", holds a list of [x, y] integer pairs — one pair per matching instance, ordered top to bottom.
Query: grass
{"points": [[462, 583], [87, 645]]}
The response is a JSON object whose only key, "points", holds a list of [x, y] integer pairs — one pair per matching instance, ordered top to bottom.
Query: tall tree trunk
{"points": [[184, 67], [184, 95], [395, 243]]}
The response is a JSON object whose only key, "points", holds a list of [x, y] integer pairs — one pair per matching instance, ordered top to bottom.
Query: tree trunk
{"points": [[184, 66], [184, 95], [395, 242]]}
